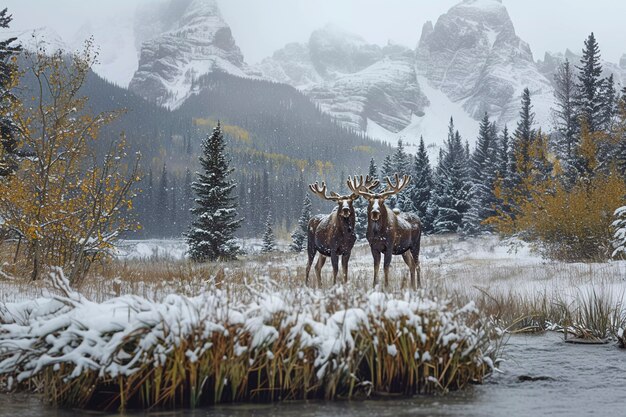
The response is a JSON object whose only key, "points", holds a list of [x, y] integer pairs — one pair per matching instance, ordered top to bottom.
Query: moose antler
{"points": [[399, 185], [360, 187], [321, 192]]}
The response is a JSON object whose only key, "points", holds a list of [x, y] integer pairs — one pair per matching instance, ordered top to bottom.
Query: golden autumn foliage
{"points": [[65, 204], [567, 221]]}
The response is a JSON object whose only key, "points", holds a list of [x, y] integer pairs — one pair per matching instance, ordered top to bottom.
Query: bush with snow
{"points": [[253, 343]]}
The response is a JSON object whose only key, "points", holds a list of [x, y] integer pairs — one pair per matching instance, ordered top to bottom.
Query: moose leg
{"points": [[311, 252], [416, 253], [376, 256], [334, 259], [408, 259], [344, 263], [386, 264], [318, 269]]}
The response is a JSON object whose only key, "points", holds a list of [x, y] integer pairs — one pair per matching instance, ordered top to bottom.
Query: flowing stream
{"points": [[541, 376]]}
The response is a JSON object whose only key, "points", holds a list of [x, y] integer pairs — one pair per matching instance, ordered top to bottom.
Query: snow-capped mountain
{"points": [[184, 39], [473, 55], [470, 62], [357, 82]]}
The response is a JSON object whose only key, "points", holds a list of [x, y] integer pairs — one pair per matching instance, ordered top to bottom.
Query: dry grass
{"points": [[327, 344]]}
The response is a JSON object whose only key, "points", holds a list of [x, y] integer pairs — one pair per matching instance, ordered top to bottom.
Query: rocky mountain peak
{"points": [[182, 40], [474, 56]]}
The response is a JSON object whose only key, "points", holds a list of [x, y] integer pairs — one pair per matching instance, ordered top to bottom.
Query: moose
{"points": [[390, 232], [333, 235]]}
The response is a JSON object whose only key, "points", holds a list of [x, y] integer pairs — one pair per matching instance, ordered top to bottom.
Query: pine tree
{"points": [[588, 97], [609, 99], [565, 118], [504, 152], [9, 153], [400, 160], [520, 163], [388, 169], [482, 176], [422, 186], [450, 201], [211, 236], [299, 236], [269, 241]]}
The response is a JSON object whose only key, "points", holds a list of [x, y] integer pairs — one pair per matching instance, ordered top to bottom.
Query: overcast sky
{"points": [[262, 26]]}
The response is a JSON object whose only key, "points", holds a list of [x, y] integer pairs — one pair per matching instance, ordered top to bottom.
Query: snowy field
{"points": [[451, 266]]}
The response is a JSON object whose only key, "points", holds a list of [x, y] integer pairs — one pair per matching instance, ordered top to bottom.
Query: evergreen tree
{"points": [[589, 85], [609, 99], [564, 115], [9, 153], [504, 153], [400, 160], [520, 161], [373, 169], [387, 170], [482, 176], [422, 186], [450, 201], [211, 235], [299, 236], [269, 241]]}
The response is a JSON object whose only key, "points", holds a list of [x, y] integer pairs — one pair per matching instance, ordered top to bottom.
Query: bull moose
{"points": [[388, 232], [333, 235]]}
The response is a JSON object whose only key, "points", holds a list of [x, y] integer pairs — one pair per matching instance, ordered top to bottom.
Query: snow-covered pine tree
{"points": [[589, 84], [608, 112], [565, 119], [504, 153], [9, 154], [400, 160], [520, 160], [373, 169], [387, 169], [482, 177], [422, 186], [451, 194], [211, 235], [299, 236], [269, 240]]}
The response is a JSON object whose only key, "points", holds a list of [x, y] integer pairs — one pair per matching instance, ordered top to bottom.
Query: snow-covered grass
{"points": [[142, 302], [257, 342]]}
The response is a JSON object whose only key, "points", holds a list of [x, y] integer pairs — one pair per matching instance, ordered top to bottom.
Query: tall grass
{"points": [[242, 343]]}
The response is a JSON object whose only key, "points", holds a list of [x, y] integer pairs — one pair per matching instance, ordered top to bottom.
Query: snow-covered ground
{"points": [[450, 265]]}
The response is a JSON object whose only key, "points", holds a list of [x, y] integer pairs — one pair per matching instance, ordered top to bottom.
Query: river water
{"points": [[574, 380]]}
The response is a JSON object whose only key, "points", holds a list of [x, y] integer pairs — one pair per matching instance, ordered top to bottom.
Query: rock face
{"points": [[182, 40], [474, 56], [351, 79]]}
